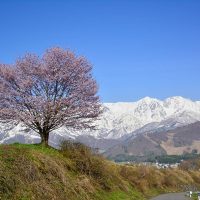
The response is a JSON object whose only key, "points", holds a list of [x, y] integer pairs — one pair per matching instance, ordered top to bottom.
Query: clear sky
{"points": [[138, 47]]}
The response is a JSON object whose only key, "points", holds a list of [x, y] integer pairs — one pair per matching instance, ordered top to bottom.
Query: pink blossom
{"points": [[49, 92]]}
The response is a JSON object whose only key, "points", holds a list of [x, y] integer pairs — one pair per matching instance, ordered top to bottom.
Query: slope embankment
{"points": [[74, 173]]}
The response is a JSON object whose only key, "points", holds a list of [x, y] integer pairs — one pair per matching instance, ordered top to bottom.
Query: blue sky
{"points": [[138, 47]]}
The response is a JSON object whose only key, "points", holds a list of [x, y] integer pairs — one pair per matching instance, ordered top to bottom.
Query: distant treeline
{"points": [[153, 158], [174, 158]]}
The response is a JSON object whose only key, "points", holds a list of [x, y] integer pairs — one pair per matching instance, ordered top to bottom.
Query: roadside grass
{"points": [[76, 173], [119, 195], [194, 196]]}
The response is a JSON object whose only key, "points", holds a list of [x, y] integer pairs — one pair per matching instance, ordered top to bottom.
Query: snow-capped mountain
{"points": [[120, 120]]}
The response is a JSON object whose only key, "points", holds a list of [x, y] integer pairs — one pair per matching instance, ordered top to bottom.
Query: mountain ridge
{"points": [[119, 120], [177, 141]]}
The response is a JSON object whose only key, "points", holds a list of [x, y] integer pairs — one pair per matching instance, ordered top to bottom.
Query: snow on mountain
{"points": [[125, 118], [121, 119]]}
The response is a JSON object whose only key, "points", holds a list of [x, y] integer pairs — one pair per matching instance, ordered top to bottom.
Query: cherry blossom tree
{"points": [[48, 92]]}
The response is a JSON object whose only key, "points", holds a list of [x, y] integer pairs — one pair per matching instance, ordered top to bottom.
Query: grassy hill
{"points": [[75, 173]]}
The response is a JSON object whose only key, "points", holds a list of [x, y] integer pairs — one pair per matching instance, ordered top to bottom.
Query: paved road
{"points": [[171, 196]]}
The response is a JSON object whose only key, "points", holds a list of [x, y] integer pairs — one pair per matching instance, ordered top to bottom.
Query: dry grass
{"points": [[77, 173]]}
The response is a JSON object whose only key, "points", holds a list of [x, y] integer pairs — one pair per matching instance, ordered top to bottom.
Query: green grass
{"points": [[38, 147], [74, 173], [119, 195], [194, 196]]}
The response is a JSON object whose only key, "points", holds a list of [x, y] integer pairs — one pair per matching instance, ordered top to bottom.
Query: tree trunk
{"points": [[44, 138]]}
